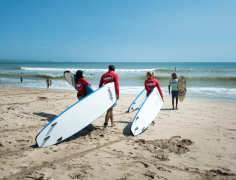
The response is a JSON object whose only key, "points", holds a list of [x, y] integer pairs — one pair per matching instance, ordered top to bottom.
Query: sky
{"points": [[118, 30]]}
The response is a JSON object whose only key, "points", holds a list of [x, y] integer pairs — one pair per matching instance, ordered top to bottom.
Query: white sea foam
{"points": [[86, 70], [228, 94]]}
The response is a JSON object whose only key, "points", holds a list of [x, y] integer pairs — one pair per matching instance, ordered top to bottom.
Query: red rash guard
{"points": [[108, 77], [150, 84], [81, 86]]}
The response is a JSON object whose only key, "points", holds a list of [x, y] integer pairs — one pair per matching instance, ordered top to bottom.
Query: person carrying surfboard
{"points": [[108, 77], [80, 83], [151, 83], [174, 89]]}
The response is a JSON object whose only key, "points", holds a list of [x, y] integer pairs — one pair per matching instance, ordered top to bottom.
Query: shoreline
{"points": [[169, 96]]}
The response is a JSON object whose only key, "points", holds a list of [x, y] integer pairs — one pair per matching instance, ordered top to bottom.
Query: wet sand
{"points": [[195, 142]]}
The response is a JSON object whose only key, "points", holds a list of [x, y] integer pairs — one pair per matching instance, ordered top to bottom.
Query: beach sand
{"points": [[195, 142]]}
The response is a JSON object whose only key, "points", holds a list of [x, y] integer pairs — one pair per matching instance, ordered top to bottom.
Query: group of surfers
{"points": [[110, 76]]}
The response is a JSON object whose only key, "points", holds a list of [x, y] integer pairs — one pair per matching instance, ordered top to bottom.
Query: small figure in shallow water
{"points": [[21, 79], [48, 82]]}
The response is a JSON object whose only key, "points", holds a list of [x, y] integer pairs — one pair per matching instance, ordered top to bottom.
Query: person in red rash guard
{"points": [[108, 77], [80, 83], [151, 83]]}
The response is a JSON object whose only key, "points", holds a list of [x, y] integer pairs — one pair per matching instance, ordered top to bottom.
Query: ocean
{"points": [[204, 80]]}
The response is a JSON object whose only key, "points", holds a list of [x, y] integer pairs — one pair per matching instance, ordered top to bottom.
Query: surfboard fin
{"points": [[110, 93], [54, 124], [136, 128], [46, 138], [59, 140]]}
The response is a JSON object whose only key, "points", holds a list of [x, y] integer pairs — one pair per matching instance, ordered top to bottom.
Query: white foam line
{"points": [[92, 70]]}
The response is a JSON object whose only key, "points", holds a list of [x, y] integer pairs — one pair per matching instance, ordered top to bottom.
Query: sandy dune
{"points": [[195, 142]]}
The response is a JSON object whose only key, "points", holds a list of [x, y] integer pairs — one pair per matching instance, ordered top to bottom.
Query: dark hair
{"points": [[111, 68], [79, 74], [174, 76]]}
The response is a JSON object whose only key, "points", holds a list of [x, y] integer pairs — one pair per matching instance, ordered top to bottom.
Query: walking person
{"points": [[108, 77], [21, 79], [80, 83], [151, 83], [174, 89]]}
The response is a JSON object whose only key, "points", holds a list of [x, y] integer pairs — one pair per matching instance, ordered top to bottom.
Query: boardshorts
{"points": [[174, 94], [78, 95], [115, 104]]}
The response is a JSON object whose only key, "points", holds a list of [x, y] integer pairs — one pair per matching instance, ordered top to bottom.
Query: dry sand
{"points": [[195, 142]]}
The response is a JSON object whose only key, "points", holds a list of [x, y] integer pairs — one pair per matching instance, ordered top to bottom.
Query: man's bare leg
{"points": [[173, 102], [176, 103], [107, 117], [111, 117]]}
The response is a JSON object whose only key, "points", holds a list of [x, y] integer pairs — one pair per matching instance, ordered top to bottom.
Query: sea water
{"points": [[204, 80]]}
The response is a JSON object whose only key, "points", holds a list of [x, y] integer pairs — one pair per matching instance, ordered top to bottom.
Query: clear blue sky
{"points": [[118, 30]]}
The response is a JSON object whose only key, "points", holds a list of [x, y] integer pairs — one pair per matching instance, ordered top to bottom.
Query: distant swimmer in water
{"points": [[175, 68], [212, 72], [187, 73], [21, 79], [48, 82], [81, 83], [151, 83], [174, 89]]}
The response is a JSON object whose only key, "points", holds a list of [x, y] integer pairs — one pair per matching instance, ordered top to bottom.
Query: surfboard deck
{"points": [[70, 78], [181, 88], [136, 104], [147, 112], [78, 116]]}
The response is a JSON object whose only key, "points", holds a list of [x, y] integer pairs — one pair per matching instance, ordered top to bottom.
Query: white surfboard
{"points": [[70, 78], [136, 104], [147, 112], [78, 116]]}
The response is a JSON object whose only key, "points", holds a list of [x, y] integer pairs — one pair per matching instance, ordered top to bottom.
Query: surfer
{"points": [[108, 77], [21, 79], [48, 82], [151, 83], [80, 84], [174, 89]]}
